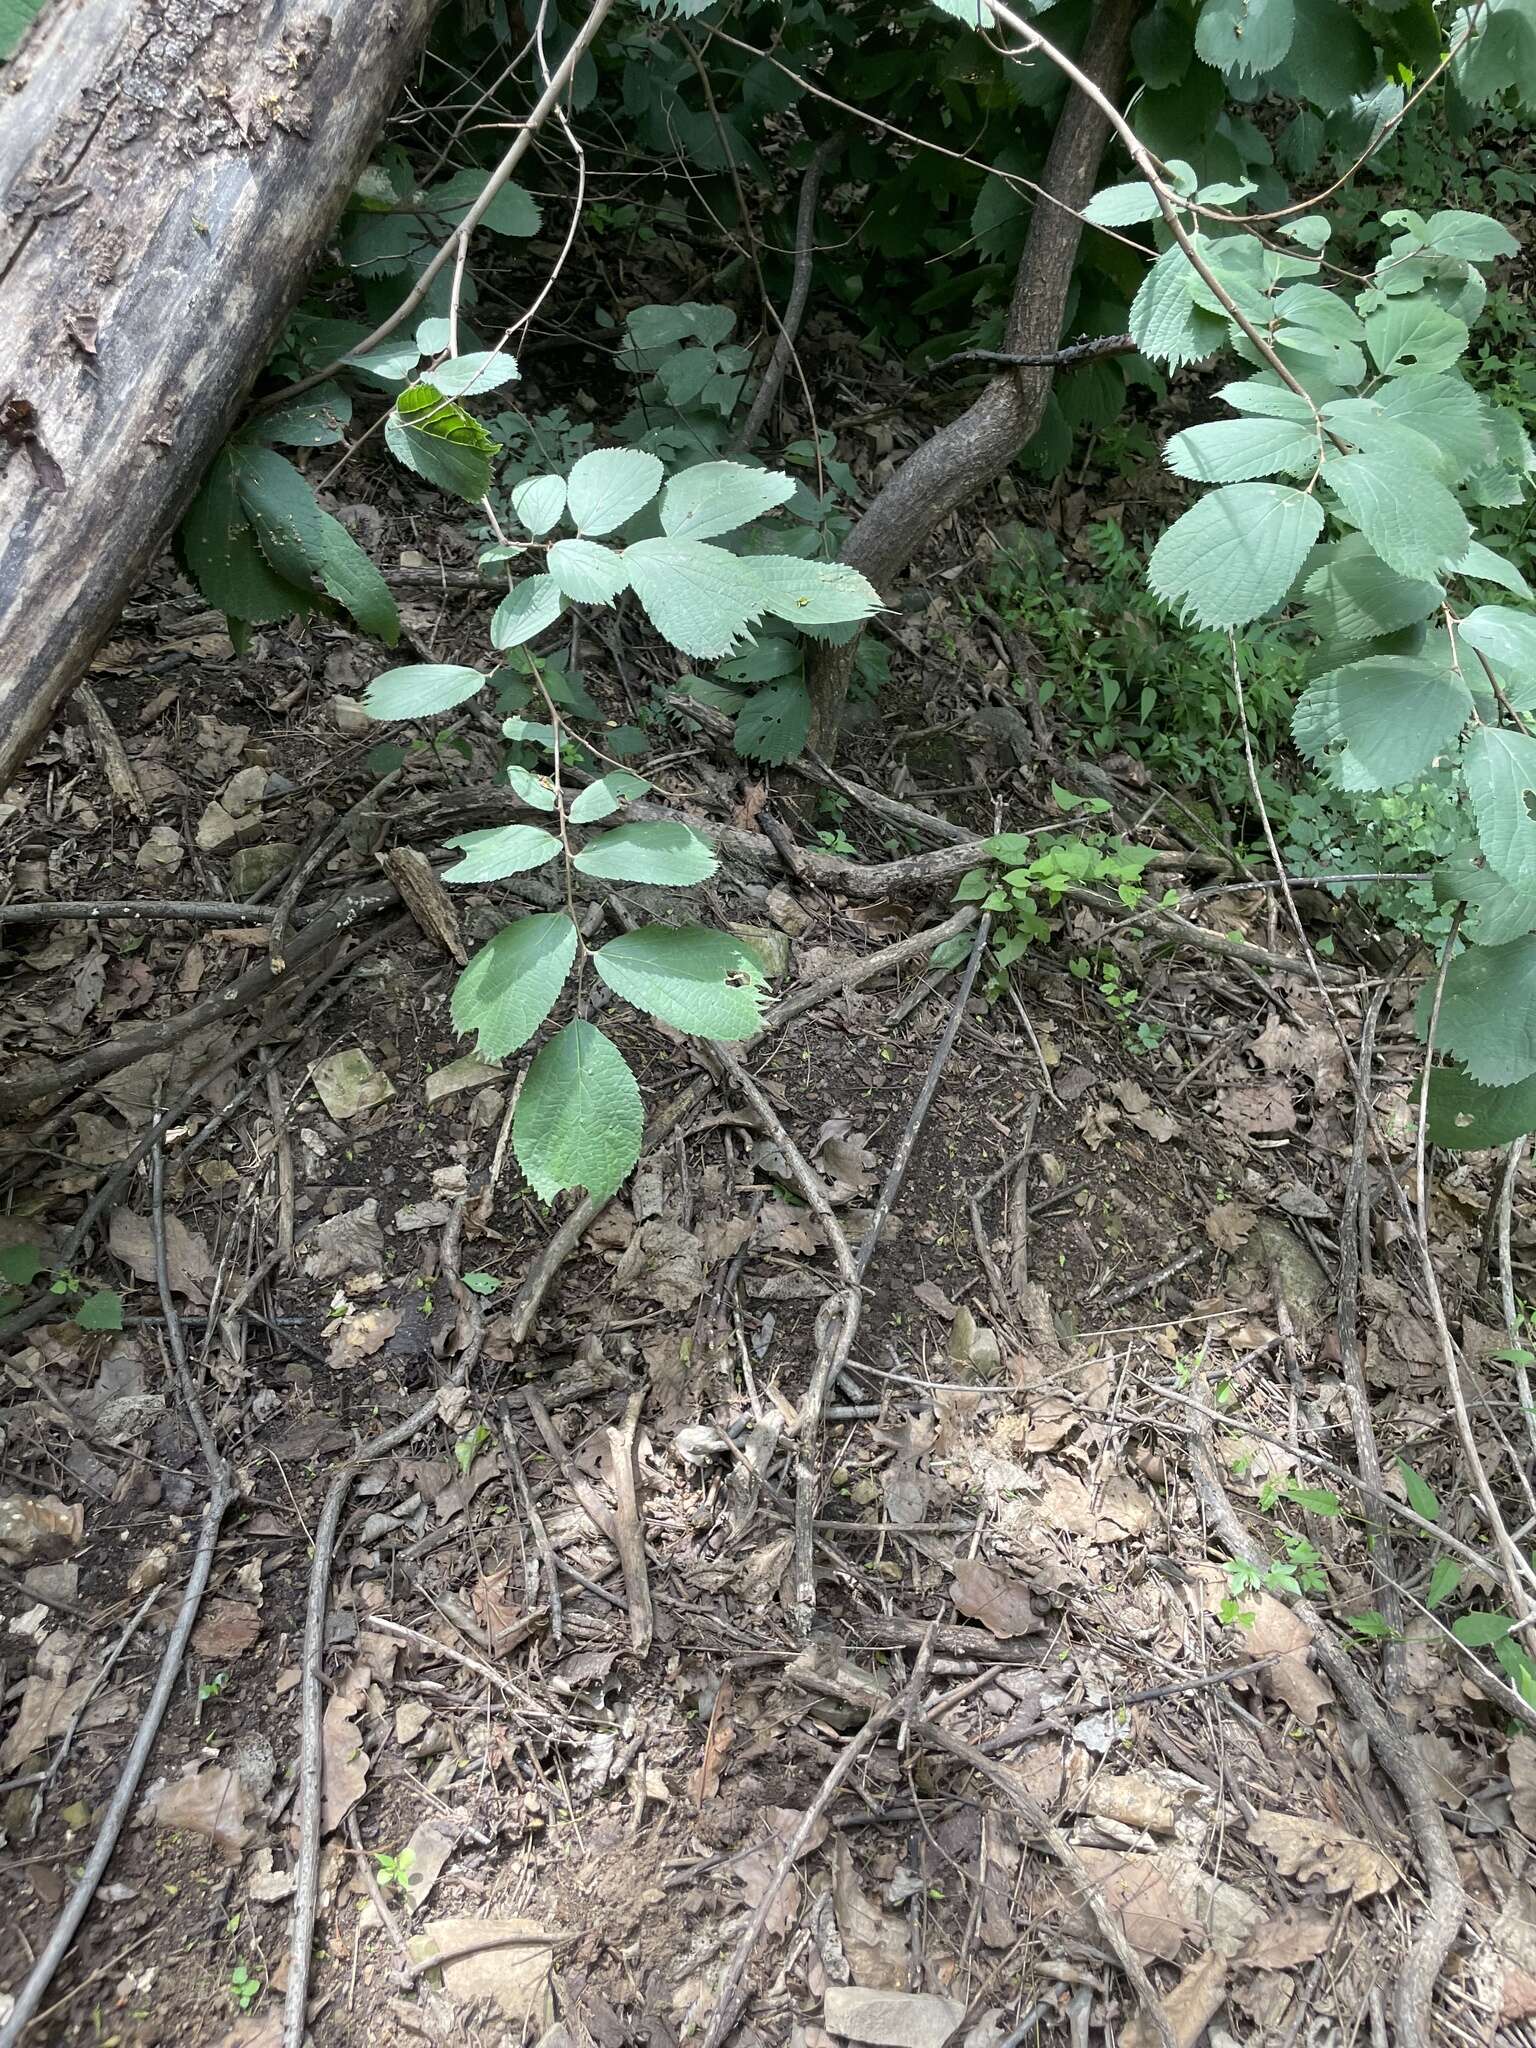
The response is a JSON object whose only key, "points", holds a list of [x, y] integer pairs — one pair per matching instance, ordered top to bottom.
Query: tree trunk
{"points": [[169, 170], [964, 457]]}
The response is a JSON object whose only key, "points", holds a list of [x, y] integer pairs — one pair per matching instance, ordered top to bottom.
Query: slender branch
{"points": [[799, 294], [1053, 359]]}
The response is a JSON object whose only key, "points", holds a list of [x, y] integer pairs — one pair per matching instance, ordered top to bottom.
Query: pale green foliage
{"points": [[579, 1119]]}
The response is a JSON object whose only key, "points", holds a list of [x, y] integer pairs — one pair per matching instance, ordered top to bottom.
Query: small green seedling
{"points": [[395, 1869], [246, 1989]]}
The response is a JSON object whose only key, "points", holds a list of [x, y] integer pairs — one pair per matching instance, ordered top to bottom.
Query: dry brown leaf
{"points": [[348, 1083], [1259, 1106], [1228, 1225], [350, 1243], [188, 1262], [664, 1263], [360, 1335], [1119, 1509], [998, 1603], [225, 1628], [1276, 1632], [343, 1760], [1520, 1762], [704, 1783], [1133, 1799], [211, 1802], [1308, 1849], [756, 1871], [1138, 1894], [1296, 1934], [874, 1941], [507, 1962], [1188, 2008]]}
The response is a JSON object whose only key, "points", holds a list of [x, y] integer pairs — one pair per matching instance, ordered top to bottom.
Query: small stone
{"points": [[162, 850], [254, 866], [787, 912], [770, 948], [348, 1083], [891, 2019]]}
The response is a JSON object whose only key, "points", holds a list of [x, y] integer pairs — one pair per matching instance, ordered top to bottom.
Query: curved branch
{"points": [[799, 293]]}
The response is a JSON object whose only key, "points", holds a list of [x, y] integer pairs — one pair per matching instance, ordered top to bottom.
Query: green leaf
{"points": [[16, 17], [1245, 37], [1162, 46], [1499, 51], [1330, 59], [1123, 206], [511, 212], [1474, 237], [1166, 324], [1414, 336], [473, 375], [1268, 398], [1445, 411], [317, 420], [1362, 422], [441, 442], [1232, 451], [609, 486], [717, 497], [539, 502], [1410, 519], [302, 543], [218, 544], [1232, 557], [1484, 566], [587, 572], [808, 593], [693, 594], [1355, 596], [526, 611], [1508, 639], [765, 661], [420, 690], [1393, 712], [775, 722], [529, 732], [1500, 771], [533, 789], [601, 799], [503, 850], [673, 855], [1498, 910], [695, 980], [511, 985], [1488, 1012], [1465, 1116], [579, 1119], [20, 1264], [480, 1283], [101, 1310], [1421, 1495], [1315, 1500], [1443, 1581], [1478, 1629]]}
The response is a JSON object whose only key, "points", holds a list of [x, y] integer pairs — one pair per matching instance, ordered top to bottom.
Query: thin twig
{"points": [[799, 294], [112, 910], [630, 1533]]}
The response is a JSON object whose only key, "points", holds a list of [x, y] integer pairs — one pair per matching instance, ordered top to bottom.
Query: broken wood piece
{"points": [[425, 898], [629, 1533]]}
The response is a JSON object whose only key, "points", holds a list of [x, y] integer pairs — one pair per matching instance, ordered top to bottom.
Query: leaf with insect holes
{"points": [[1246, 38], [1414, 337], [471, 376], [440, 441], [1232, 451], [609, 486], [717, 497], [539, 501], [1410, 519], [1233, 557], [587, 572], [526, 611], [420, 690], [1394, 712], [775, 722], [1500, 771], [533, 789], [602, 798], [503, 850], [672, 855], [691, 978], [511, 985], [1488, 1012], [1465, 1116], [579, 1119], [102, 1310], [1421, 1495], [1443, 1581]]}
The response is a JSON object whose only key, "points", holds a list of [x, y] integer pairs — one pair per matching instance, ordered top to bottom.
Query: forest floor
{"points": [[576, 1706]]}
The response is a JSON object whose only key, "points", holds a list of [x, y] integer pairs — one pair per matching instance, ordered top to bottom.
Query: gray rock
{"points": [[254, 866], [891, 2019]]}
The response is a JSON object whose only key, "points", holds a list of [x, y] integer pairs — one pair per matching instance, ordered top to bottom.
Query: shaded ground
{"points": [[1014, 1461]]}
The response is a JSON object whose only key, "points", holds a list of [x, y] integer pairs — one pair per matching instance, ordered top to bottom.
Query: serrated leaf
{"points": [[1245, 37], [1331, 57], [1123, 206], [512, 212], [1474, 237], [1166, 324], [1414, 336], [472, 375], [1268, 398], [1445, 411], [317, 420], [1362, 422], [437, 439], [1233, 451], [609, 486], [717, 497], [539, 501], [1410, 519], [305, 545], [1232, 557], [1484, 566], [587, 571], [809, 593], [693, 595], [1355, 596], [525, 612], [1508, 639], [764, 661], [420, 690], [1393, 712], [775, 722], [1500, 771], [536, 790], [602, 798], [502, 850], [672, 855], [1497, 909], [695, 980], [511, 985], [1488, 1012], [1464, 1116], [579, 1119], [101, 1310], [1421, 1495], [1443, 1581]]}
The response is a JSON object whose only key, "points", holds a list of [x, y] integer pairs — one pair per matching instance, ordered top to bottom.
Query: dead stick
{"points": [[631, 1536]]}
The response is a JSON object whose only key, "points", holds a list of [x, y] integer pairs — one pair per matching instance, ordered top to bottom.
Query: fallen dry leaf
{"points": [[348, 1083], [1259, 1106], [1228, 1225], [350, 1243], [188, 1263], [664, 1263], [360, 1335], [1119, 1509], [999, 1604], [225, 1628], [1275, 1632], [343, 1760], [1520, 1762], [704, 1783], [1133, 1799], [211, 1802], [1309, 1849], [1138, 1893], [1296, 1934], [875, 1942], [507, 1962], [1188, 2008], [890, 2019]]}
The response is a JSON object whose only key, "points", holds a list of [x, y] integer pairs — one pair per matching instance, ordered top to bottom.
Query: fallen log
{"points": [[169, 169]]}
